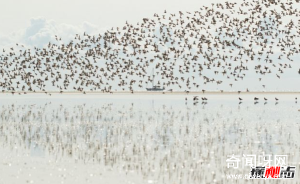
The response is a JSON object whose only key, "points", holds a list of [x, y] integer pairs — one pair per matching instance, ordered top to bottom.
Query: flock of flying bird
{"points": [[219, 43]]}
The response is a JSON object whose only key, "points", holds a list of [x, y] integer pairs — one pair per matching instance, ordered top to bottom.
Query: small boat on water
{"points": [[155, 87]]}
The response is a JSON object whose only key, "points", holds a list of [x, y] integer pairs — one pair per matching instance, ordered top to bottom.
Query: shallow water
{"points": [[95, 138]]}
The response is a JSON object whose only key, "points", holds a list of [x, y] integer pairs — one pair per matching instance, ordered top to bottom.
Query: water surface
{"points": [[124, 138]]}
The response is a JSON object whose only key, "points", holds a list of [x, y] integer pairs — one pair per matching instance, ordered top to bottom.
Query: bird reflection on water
{"points": [[164, 141]]}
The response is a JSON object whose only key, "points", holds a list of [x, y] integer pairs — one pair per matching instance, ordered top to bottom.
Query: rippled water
{"points": [[116, 139]]}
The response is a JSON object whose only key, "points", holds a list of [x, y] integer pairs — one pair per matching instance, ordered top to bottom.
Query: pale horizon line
{"points": [[152, 92]]}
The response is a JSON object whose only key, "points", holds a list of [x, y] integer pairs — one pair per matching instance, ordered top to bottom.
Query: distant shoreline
{"points": [[159, 92]]}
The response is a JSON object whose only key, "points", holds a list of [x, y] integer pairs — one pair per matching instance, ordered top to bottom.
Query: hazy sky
{"points": [[16, 14], [35, 22]]}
